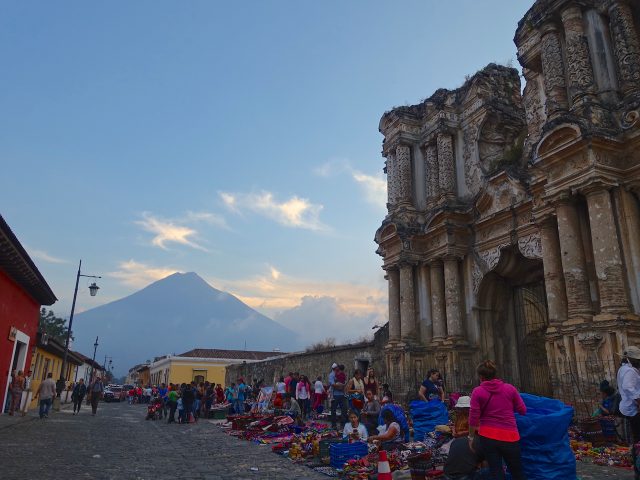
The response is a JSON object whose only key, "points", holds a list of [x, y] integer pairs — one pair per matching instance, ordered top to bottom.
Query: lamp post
{"points": [[93, 290], [93, 361]]}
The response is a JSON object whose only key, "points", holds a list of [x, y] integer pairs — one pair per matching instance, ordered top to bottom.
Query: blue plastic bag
{"points": [[427, 416], [544, 439]]}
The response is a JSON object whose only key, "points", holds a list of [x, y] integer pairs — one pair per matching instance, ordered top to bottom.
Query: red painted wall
{"points": [[17, 309]]}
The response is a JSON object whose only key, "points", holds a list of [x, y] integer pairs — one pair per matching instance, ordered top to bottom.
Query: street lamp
{"points": [[93, 289], [93, 360]]}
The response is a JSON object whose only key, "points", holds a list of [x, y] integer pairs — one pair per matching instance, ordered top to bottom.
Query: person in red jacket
{"points": [[492, 424]]}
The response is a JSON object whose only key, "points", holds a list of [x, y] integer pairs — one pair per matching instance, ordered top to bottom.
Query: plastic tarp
{"points": [[427, 416], [401, 418], [544, 439]]}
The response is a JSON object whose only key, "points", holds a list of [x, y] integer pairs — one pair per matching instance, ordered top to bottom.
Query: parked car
{"points": [[114, 394]]}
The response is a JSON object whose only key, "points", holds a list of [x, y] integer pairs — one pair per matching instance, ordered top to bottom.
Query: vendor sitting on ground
{"points": [[606, 404], [293, 408], [370, 412], [461, 425], [354, 431], [390, 433], [462, 461]]}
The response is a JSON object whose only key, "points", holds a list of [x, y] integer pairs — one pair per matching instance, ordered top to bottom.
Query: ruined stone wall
{"points": [[317, 362]]}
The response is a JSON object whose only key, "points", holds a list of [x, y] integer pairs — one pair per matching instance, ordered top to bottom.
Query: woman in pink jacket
{"points": [[492, 424]]}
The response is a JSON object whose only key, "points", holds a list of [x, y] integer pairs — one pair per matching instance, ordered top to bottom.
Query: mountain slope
{"points": [[173, 315]]}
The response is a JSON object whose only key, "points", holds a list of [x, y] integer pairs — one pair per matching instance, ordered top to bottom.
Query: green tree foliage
{"points": [[54, 327]]}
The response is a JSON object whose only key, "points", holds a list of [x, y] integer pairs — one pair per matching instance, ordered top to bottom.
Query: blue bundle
{"points": [[427, 416], [400, 417], [544, 439]]}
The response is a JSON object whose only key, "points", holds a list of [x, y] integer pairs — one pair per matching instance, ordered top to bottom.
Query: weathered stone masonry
{"points": [[513, 226]]}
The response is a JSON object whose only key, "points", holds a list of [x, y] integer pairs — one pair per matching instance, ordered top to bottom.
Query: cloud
{"points": [[374, 187], [296, 212], [208, 217], [168, 231], [44, 256], [275, 274], [139, 275], [273, 295], [318, 317]]}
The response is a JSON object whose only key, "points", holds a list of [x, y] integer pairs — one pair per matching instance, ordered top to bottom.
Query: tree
{"points": [[54, 327]]}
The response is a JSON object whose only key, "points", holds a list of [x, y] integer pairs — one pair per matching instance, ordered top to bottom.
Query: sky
{"points": [[238, 140]]}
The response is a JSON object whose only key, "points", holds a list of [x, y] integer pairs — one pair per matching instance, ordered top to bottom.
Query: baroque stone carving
{"points": [[626, 45], [579, 66], [553, 68], [431, 156], [446, 163], [403, 164], [472, 171], [530, 246], [491, 257]]}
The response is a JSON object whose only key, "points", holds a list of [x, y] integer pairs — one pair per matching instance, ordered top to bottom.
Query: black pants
{"points": [[95, 398], [77, 403], [344, 407], [172, 411], [634, 426], [494, 451]]}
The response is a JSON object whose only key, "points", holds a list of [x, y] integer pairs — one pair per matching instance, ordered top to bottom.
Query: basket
{"points": [[218, 414], [592, 431], [609, 431], [324, 447], [341, 453], [419, 464]]}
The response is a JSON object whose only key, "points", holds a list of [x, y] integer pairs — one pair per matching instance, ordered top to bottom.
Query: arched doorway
{"points": [[514, 320]]}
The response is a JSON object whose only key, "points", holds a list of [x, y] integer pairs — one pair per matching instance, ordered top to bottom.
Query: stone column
{"points": [[626, 46], [579, 68], [553, 70], [446, 165], [403, 169], [391, 181], [433, 185], [629, 209], [606, 253], [573, 260], [553, 277], [452, 290], [424, 297], [437, 301], [407, 302], [394, 304]]}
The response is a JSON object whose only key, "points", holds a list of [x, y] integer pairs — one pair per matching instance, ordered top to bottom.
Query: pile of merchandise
{"points": [[612, 456]]}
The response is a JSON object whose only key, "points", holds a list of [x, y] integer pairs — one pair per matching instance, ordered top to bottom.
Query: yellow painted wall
{"points": [[42, 363], [180, 373]]}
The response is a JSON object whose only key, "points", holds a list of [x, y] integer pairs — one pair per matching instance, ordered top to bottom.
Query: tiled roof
{"points": [[17, 264], [229, 354]]}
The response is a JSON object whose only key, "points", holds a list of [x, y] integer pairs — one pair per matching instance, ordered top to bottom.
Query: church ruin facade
{"points": [[513, 225]]}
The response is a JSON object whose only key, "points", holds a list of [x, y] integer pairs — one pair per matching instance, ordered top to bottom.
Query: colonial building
{"points": [[513, 226], [23, 290]]}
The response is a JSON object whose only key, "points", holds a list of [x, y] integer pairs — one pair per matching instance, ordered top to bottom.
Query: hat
{"points": [[631, 352], [334, 366], [464, 402]]}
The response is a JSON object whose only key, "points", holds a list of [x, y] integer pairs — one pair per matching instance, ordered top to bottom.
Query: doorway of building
{"points": [[514, 320]]}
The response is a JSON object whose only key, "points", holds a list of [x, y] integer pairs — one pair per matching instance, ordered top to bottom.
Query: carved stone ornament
{"points": [[626, 45], [553, 68], [631, 119], [446, 163], [403, 166], [472, 170], [530, 246], [491, 257], [476, 276], [590, 340]]}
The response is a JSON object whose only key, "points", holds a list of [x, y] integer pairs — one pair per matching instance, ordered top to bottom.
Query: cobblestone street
{"points": [[119, 444]]}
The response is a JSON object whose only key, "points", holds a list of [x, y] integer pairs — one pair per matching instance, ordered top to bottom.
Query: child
{"points": [[607, 393], [387, 396], [181, 418]]}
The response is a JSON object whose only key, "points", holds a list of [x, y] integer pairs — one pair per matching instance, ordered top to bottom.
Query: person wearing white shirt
{"points": [[628, 379], [354, 430]]}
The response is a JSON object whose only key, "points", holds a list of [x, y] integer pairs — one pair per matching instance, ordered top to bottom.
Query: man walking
{"points": [[629, 387], [95, 390], [79, 391], [46, 392], [337, 395]]}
